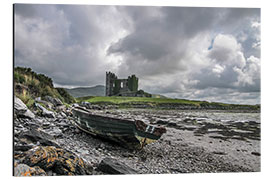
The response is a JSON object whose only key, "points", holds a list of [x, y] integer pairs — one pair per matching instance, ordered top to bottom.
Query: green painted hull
{"points": [[126, 132]]}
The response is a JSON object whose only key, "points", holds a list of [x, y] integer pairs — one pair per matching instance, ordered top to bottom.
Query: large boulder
{"points": [[54, 101], [46, 103], [21, 109], [45, 112], [54, 131], [38, 136], [60, 161], [112, 166], [25, 170]]}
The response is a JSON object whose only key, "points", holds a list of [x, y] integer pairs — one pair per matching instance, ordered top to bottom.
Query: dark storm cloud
{"points": [[163, 37], [65, 42], [166, 47]]}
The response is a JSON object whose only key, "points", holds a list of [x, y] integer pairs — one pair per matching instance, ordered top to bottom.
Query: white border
{"points": [[6, 82]]}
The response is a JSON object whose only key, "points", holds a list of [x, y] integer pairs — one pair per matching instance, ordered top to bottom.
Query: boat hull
{"points": [[126, 132]]}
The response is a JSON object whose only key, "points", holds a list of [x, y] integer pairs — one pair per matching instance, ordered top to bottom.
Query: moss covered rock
{"points": [[58, 160], [25, 170]]}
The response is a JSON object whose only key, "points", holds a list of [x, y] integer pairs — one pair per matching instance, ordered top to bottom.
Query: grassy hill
{"points": [[29, 85], [98, 90], [158, 96], [121, 99], [162, 102]]}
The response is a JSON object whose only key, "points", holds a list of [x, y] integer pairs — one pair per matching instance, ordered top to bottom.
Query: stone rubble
{"points": [[21, 109], [51, 146]]}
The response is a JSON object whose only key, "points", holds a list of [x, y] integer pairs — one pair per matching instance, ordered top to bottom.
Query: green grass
{"points": [[38, 85], [26, 99], [134, 100], [155, 102]]}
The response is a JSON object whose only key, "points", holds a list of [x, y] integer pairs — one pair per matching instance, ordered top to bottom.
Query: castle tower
{"points": [[110, 78], [133, 83]]}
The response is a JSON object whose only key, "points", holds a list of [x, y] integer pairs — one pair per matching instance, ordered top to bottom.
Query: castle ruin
{"points": [[123, 87]]}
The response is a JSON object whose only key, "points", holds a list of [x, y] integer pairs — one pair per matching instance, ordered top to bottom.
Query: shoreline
{"points": [[187, 147]]}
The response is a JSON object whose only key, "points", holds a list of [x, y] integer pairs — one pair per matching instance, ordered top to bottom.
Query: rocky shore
{"points": [[46, 143]]}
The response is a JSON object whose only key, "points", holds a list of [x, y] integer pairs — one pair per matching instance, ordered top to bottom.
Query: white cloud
{"points": [[256, 24], [227, 51], [218, 69], [250, 73]]}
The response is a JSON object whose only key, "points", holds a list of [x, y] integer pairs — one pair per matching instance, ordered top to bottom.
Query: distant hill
{"points": [[98, 90]]}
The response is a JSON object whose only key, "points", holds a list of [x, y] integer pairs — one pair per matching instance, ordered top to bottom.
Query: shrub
{"points": [[19, 78], [38, 85], [66, 96], [27, 99]]}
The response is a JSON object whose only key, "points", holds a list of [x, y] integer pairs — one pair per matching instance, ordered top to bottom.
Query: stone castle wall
{"points": [[121, 87]]}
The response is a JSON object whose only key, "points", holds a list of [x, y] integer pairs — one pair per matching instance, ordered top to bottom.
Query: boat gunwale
{"points": [[105, 117]]}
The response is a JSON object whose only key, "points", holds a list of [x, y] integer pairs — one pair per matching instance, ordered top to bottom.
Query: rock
{"points": [[38, 99], [54, 101], [47, 104], [86, 104], [75, 105], [96, 107], [60, 108], [21, 109], [45, 112], [29, 114], [63, 114], [39, 120], [162, 122], [63, 124], [172, 124], [46, 125], [18, 128], [77, 130], [55, 132], [37, 135], [22, 147], [81, 151], [219, 153], [256, 153], [42, 156], [143, 158], [58, 160], [112, 166], [25, 170], [178, 170]]}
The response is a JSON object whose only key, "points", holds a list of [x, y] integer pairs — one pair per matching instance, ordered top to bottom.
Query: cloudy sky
{"points": [[197, 53]]}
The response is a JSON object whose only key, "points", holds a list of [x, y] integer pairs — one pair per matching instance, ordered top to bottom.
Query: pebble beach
{"points": [[195, 142]]}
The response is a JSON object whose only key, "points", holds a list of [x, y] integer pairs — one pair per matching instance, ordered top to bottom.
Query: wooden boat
{"points": [[127, 132]]}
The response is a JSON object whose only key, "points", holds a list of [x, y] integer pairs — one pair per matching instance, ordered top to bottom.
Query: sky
{"points": [[197, 53]]}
